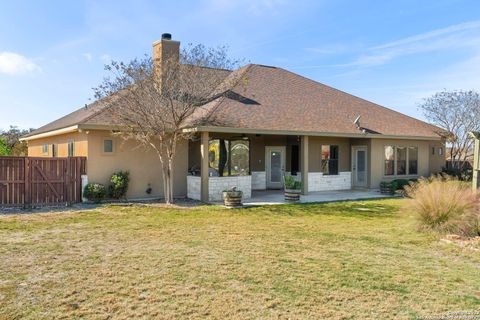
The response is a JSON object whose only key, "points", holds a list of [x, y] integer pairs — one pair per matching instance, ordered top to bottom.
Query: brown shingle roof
{"points": [[269, 98], [282, 100], [98, 113], [76, 117]]}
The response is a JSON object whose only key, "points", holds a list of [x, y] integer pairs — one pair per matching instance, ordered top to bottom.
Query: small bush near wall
{"points": [[291, 183], [119, 185], [391, 187], [95, 192], [445, 204]]}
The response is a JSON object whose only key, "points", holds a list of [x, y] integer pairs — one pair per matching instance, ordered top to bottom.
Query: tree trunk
{"points": [[170, 180], [167, 182]]}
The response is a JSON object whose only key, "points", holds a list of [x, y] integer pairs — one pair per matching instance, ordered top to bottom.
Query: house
{"points": [[282, 123]]}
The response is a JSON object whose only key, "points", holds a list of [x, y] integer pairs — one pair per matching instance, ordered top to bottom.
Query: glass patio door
{"points": [[274, 166], [359, 167]]}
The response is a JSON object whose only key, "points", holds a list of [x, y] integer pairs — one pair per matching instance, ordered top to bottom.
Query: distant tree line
{"points": [[457, 113], [10, 144]]}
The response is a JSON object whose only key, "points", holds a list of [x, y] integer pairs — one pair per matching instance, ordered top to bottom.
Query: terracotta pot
{"points": [[292, 195], [232, 198]]}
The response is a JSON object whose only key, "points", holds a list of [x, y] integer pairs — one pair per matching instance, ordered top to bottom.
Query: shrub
{"points": [[464, 174], [291, 183], [119, 184], [390, 187], [95, 192], [445, 204]]}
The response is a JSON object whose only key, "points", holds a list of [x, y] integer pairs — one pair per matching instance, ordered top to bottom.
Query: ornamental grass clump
{"points": [[446, 205]]}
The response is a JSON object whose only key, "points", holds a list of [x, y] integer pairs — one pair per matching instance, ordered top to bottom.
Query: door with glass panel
{"points": [[274, 166], [359, 167]]}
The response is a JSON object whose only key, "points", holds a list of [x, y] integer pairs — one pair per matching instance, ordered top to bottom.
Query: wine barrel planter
{"points": [[292, 195], [232, 199]]}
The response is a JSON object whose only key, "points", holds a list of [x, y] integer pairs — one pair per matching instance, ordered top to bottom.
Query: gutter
{"points": [[81, 127], [70, 129], [51, 133], [306, 133]]}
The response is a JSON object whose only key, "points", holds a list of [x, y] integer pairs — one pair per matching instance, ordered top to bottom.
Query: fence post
{"points": [[476, 160], [66, 180], [26, 181], [84, 183]]}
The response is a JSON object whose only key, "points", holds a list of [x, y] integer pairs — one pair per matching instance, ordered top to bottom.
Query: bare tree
{"points": [[154, 101], [457, 112]]}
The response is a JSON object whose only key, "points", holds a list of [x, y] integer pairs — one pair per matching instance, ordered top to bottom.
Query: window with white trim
{"points": [[45, 148], [400, 160], [412, 160]]}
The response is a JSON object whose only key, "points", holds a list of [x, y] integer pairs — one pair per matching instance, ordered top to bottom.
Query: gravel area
{"points": [[179, 203]]}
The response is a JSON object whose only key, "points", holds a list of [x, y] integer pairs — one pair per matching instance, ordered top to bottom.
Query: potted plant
{"points": [[293, 188], [232, 198]]}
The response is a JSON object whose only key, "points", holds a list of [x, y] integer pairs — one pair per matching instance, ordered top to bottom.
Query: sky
{"points": [[394, 53]]}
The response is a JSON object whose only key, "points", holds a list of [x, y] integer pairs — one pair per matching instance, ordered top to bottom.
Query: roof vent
{"points": [[166, 36]]}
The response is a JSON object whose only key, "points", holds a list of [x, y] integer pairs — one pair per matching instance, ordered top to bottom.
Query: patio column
{"points": [[304, 163], [204, 167]]}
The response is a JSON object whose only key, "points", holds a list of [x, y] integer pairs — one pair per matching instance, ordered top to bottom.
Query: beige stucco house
{"points": [[278, 123]]}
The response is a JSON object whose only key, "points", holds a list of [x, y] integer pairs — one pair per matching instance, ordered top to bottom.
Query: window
{"points": [[108, 145], [45, 148], [71, 149], [54, 150], [433, 151], [440, 151], [229, 157], [239, 158], [329, 159], [389, 160], [412, 160], [401, 161]]}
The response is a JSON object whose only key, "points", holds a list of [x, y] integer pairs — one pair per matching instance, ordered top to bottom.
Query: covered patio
{"points": [[256, 163]]}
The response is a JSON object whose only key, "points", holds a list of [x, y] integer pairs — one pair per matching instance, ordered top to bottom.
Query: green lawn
{"points": [[353, 260]]}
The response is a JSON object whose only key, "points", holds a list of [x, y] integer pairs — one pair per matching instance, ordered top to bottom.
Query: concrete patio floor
{"points": [[270, 197]]}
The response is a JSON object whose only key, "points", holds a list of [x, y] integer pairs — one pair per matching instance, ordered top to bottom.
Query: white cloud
{"points": [[432, 34], [464, 35], [88, 56], [14, 64]]}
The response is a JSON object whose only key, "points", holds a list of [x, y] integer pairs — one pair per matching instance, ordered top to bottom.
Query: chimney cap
{"points": [[166, 36]]}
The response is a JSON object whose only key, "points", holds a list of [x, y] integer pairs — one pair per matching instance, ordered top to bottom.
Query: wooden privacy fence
{"points": [[31, 182]]}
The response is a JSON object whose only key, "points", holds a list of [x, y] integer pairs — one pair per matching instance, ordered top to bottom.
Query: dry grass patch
{"points": [[446, 205], [341, 261]]}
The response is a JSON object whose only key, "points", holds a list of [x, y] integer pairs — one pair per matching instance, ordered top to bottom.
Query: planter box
{"points": [[292, 195], [232, 199]]}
